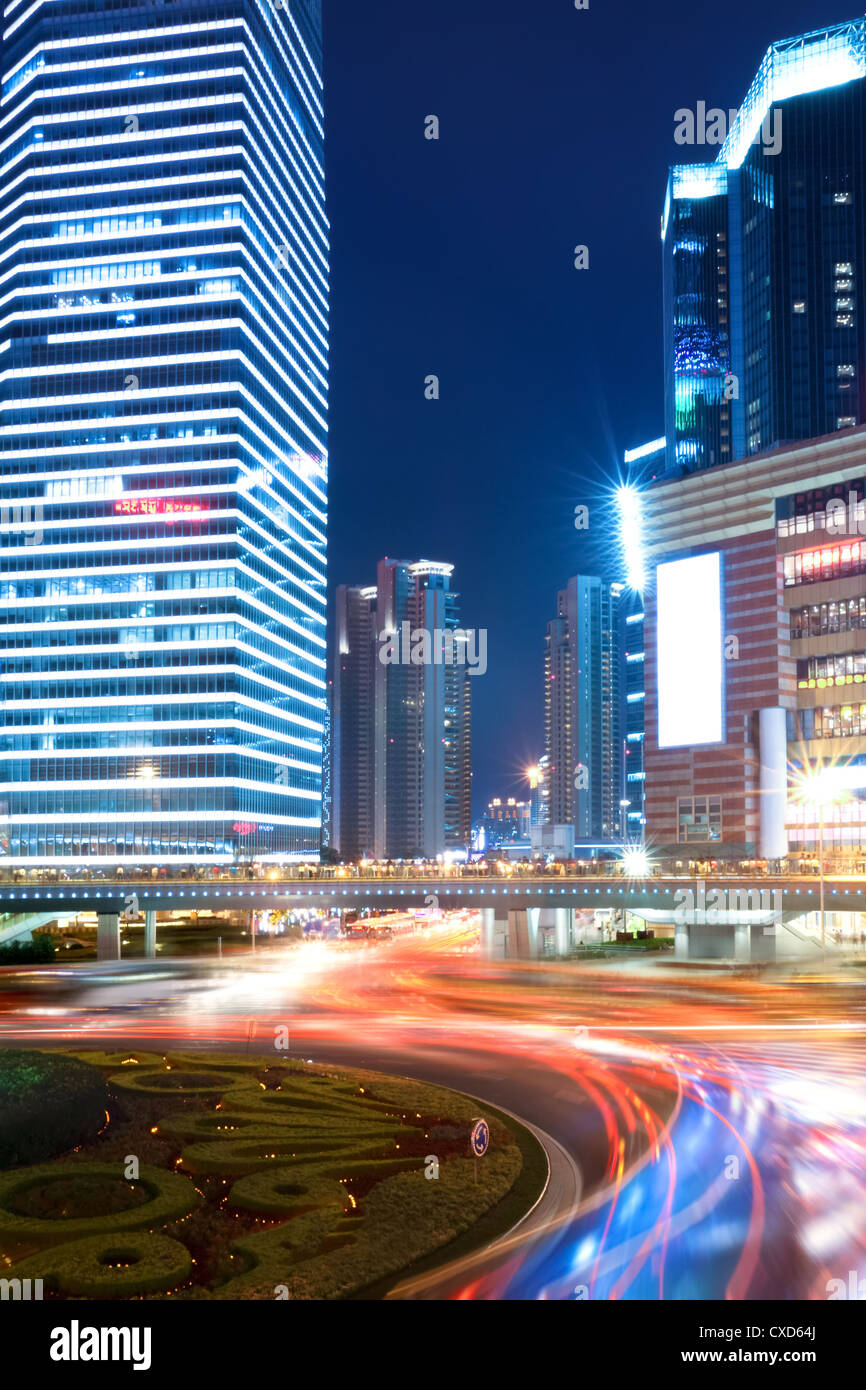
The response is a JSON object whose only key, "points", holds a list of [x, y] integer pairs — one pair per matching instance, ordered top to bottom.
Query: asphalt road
{"points": [[706, 1133]]}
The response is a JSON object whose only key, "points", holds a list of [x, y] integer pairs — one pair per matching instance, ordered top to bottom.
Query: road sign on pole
{"points": [[479, 1141]]}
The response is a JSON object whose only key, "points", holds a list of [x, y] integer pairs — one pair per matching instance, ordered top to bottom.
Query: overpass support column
{"points": [[533, 915], [564, 926], [522, 931], [488, 932], [150, 933], [494, 934], [108, 936], [755, 941]]}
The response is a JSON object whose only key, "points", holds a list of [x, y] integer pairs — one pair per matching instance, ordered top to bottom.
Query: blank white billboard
{"points": [[689, 643]]}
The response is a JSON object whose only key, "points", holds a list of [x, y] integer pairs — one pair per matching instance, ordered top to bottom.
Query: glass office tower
{"points": [[765, 259], [163, 261], [584, 710], [401, 746]]}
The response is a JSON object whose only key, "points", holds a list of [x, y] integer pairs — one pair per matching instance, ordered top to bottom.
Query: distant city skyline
{"points": [[547, 373], [401, 715]]}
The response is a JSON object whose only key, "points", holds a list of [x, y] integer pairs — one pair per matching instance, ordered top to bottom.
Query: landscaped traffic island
{"points": [[215, 1176]]}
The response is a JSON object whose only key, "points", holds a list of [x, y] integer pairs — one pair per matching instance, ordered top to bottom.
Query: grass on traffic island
{"points": [[253, 1180]]}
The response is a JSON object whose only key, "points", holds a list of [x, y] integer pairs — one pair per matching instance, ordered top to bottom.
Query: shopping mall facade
{"points": [[756, 656]]}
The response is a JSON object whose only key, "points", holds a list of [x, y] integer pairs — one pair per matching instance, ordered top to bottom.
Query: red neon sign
{"points": [[154, 506]]}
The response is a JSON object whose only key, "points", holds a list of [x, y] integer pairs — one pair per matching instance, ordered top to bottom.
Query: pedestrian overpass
{"points": [[745, 918]]}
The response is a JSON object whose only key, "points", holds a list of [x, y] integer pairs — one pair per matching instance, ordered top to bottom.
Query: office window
{"points": [[699, 818]]}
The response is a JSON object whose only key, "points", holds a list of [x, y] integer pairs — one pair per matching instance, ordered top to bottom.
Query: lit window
{"points": [[842, 199], [844, 268], [842, 285], [845, 303], [799, 306], [844, 320], [845, 369], [845, 422], [699, 818]]}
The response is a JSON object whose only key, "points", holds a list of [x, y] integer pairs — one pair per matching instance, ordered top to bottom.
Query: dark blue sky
{"points": [[456, 258]]}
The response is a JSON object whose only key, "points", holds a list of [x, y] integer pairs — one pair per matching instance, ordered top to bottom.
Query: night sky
{"points": [[456, 258]]}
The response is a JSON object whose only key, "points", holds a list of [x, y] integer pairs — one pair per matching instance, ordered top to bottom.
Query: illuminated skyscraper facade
{"points": [[765, 260], [163, 399], [640, 466], [584, 709], [401, 715]]}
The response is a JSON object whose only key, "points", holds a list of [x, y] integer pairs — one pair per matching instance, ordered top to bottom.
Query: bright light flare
{"points": [[630, 535], [825, 785], [635, 861]]}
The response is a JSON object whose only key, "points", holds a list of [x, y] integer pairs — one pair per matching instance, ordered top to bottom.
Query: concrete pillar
{"points": [[773, 797], [533, 916], [564, 926], [522, 930], [488, 931], [150, 933], [108, 936], [512, 936], [681, 941], [743, 941], [755, 941], [764, 941], [495, 944]]}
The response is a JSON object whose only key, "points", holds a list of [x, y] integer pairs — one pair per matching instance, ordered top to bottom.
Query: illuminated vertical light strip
{"points": [[164, 339], [631, 536], [632, 559]]}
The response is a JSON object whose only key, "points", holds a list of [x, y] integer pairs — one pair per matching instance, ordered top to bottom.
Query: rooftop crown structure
{"points": [[765, 256]]}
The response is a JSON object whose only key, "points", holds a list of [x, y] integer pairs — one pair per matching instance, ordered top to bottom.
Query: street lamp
{"points": [[814, 788], [623, 807]]}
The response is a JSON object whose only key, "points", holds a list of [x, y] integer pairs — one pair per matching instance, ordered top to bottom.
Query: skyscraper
{"points": [[765, 259], [163, 405], [639, 465], [633, 657], [584, 709], [401, 715], [353, 722]]}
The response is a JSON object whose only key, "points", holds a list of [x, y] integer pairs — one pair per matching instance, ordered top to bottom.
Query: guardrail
{"points": [[137, 877]]}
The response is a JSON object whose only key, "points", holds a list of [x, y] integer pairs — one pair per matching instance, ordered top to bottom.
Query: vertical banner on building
{"points": [[689, 649]]}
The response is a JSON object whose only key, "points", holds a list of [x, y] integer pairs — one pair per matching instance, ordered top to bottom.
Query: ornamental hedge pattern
{"points": [[256, 1181]]}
